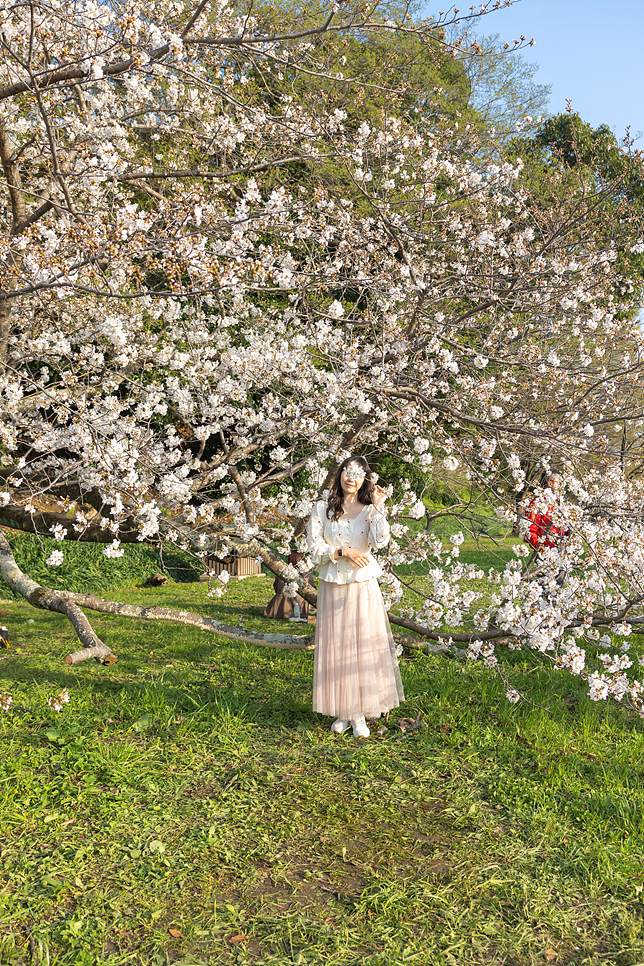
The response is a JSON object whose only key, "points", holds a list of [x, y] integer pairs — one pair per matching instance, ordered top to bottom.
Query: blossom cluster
{"points": [[197, 335], [59, 700]]}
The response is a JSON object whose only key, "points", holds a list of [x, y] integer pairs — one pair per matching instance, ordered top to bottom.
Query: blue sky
{"points": [[590, 52]]}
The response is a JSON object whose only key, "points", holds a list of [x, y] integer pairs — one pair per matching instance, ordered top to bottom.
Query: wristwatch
{"points": [[339, 551]]}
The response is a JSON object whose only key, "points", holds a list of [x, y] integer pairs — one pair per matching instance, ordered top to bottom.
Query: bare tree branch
{"points": [[57, 601], [289, 642]]}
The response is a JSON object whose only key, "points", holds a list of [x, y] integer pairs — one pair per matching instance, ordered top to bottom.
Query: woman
{"points": [[356, 670]]}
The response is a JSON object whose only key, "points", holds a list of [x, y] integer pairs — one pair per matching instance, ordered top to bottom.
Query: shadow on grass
{"points": [[166, 694]]}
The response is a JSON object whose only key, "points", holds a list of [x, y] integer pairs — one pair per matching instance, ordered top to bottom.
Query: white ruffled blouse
{"points": [[369, 530]]}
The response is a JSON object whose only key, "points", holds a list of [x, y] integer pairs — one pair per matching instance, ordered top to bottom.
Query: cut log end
{"points": [[101, 654]]}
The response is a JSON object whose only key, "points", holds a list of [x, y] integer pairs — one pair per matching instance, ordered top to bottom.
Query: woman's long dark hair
{"points": [[336, 496]]}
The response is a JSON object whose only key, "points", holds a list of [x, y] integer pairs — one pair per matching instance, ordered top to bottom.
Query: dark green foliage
{"points": [[399, 71], [571, 140], [567, 142], [566, 150], [392, 471], [87, 569]]}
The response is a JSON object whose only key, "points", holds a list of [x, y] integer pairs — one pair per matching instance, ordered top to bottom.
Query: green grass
{"points": [[87, 569], [188, 807]]}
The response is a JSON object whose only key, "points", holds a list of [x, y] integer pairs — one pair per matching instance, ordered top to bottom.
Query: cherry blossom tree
{"points": [[215, 284]]}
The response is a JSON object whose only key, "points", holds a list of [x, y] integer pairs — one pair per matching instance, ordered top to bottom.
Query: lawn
{"points": [[187, 807]]}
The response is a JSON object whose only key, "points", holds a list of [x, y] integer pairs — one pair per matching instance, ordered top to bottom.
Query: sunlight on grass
{"points": [[188, 807]]}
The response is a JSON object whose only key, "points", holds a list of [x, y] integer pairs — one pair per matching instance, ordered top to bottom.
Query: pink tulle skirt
{"points": [[356, 668]]}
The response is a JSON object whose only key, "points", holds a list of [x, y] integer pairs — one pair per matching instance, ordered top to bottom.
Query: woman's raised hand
{"points": [[379, 496], [359, 558]]}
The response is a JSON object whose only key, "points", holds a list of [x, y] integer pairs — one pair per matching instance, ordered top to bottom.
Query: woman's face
{"points": [[352, 478]]}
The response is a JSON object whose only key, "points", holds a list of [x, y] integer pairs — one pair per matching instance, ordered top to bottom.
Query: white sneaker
{"points": [[339, 725], [360, 729]]}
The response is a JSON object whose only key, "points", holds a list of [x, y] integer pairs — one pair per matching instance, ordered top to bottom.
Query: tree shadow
{"points": [[203, 699]]}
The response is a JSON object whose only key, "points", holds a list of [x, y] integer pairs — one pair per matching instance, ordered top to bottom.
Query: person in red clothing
{"points": [[542, 533]]}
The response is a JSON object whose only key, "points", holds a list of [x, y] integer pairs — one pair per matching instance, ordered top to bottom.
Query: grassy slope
{"points": [[86, 568], [187, 806]]}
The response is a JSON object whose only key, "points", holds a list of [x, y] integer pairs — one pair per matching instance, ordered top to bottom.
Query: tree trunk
{"points": [[57, 601]]}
